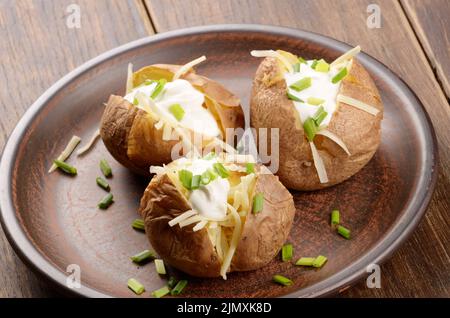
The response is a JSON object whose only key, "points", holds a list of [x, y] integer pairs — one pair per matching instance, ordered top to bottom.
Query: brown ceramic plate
{"points": [[52, 220]]}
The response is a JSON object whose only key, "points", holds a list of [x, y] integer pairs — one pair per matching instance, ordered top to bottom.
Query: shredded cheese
{"points": [[275, 54], [346, 56], [186, 67], [129, 86], [357, 104], [159, 124], [333, 137], [91, 142], [73, 143], [318, 163], [157, 170], [182, 217], [189, 221], [200, 225], [233, 244]]}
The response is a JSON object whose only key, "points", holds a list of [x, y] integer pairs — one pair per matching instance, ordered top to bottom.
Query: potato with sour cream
{"points": [[165, 105], [329, 116], [211, 216]]}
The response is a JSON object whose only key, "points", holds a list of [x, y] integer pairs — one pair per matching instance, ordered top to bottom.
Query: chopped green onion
{"points": [[301, 60], [314, 64], [322, 66], [296, 67], [339, 76], [301, 84], [159, 87], [293, 97], [135, 101], [315, 101], [177, 111], [319, 116], [310, 128], [210, 156], [65, 167], [249, 167], [106, 169], [221, 170], [208, 176], [185, 177], [195, 182], [102, 183], [106, 201], [258, 202], [335, 217], [138, 224], [344, 232], [286, 252], [143, 256], [305, 261], [319, 261], [160, 269], [282, 280], [172, 282], [135, 286], [179, 288], [161, 292]]}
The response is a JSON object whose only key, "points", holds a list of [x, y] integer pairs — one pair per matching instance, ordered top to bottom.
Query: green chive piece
{"points": [[301, 60], [314, 64], [322, 66], [296, 67], [339, 76], [302, 84], [159, 87], [293, 97], [135, 101], [315, 101], [177, 111], [319, 116], [310, 128], [210, 156], [63, 166], [249, 167], [106, 169], [221, 170], [208, 176], [185, 177], [195, 182], [102, 183], [106, 201], [258, 203], [335, 217], [138, 224], [344, 232], [286, 252], [144, 256], [305, 261], [319, 261], [160, 268], [282, 280], [172, 282], [135, 286], [179, 288], [161, 292]]}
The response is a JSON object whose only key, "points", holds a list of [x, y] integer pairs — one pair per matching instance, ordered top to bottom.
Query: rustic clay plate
{"points": [[52, 220]]}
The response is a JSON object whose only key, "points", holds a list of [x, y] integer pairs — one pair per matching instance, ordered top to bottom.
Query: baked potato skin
{"points": [[360, 131], [192, 252]]}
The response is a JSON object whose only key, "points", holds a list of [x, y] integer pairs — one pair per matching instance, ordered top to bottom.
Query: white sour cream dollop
{"points": [[321, 87], [181, 92]]}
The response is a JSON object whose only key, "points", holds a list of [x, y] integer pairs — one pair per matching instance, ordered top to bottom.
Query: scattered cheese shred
{"points": [[275, 54], [346, 56], [186, 67], [129, 86], [357, 104], [159, 124], [167, 132], [333, 137], [91, 142], [73, 143], [318, 163], [157, 170], [182, 217], [189, 221], [200, 225], [233, 244]]}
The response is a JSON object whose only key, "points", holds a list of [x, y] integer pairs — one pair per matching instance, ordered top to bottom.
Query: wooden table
{"points": [[37, 48]]}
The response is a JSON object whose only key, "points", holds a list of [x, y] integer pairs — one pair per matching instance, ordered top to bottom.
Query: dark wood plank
{"points": [[430, 20], [37, 48], [420, 268]]}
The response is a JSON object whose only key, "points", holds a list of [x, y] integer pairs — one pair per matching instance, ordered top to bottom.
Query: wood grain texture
{"points": [[430, 20], [37, 48], [409, 273]]}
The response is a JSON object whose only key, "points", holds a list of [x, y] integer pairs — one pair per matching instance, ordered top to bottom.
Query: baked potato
{"points": [[165, 106], [328, 116], [211, 216]]}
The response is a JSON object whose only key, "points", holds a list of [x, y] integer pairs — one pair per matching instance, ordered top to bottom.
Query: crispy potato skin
{"points": [[360, 131], [129, 133], [192, 252]]}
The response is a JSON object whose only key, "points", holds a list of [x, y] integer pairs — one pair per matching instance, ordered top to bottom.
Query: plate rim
{"points": [[396, 235]]}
